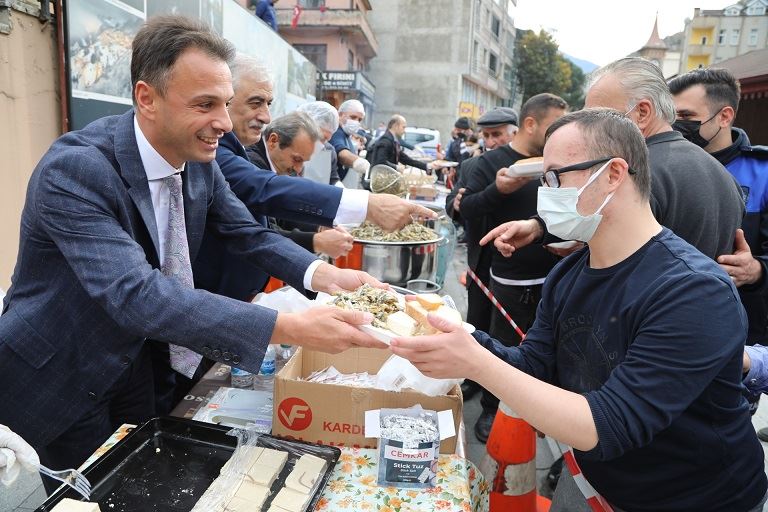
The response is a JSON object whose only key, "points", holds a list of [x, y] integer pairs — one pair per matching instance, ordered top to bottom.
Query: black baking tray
{"points": [[168, 463]]}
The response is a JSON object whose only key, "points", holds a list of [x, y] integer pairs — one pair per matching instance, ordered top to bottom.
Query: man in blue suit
{"points": [[96, 230]]}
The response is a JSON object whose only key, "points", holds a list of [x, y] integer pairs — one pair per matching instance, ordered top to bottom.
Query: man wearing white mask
{"points": [[351, 115], [619, 364]]}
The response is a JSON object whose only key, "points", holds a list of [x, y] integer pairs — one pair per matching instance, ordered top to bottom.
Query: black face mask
{"points": [[690, 130], [461, 136]]}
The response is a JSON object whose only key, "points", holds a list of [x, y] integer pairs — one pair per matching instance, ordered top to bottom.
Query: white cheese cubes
{"points": [[305, 473], [70, 505]]}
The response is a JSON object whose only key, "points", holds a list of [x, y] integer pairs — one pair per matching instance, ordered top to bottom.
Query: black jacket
{"points": [[386, 150], [257, 154], [483, 200], [478, 256]]}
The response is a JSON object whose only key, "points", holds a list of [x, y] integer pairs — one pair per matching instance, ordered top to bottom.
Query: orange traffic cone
{"points": [[510, 465]]}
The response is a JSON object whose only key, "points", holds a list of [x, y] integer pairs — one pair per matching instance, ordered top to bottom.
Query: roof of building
{"points": [[655, 41], [754, 63]]}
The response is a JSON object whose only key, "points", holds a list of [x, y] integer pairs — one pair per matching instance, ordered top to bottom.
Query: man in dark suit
{"points": [[387, 148], [101, 266]]}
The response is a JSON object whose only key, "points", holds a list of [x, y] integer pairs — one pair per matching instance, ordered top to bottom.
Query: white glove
{"points": [[361, 166], [14, 449]]}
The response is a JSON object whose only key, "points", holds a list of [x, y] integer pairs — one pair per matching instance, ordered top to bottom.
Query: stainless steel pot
{"points": [[397, 263]]}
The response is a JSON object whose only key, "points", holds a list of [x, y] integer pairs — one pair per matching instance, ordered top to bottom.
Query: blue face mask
{"points": [[557, 207]]}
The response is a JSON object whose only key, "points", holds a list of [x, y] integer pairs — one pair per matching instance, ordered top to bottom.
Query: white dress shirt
{"points": [[157, 168], [353, 206]]}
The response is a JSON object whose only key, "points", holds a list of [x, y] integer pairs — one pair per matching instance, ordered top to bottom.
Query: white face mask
{"points": [[351, 126], [557, 208]]}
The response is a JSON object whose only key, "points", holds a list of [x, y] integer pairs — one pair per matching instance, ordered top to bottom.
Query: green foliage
{"points": [[542, 68], [575, 94]]}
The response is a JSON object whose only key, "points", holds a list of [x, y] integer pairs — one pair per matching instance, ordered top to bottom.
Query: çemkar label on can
{"points": [[402, 465]]}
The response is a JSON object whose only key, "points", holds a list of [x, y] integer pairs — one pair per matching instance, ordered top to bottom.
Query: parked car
{"points": [[424, 139]]}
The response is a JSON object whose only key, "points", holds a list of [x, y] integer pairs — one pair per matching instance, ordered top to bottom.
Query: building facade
{"points": [[336, 36], [713, 36], [665, 53], [441, 59]]}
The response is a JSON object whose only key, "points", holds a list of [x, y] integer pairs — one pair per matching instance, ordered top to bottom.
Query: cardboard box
{"points": [[335, 415]]}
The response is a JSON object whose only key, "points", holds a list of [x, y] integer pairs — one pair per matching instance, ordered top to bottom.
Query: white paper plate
{"points": [[445, 163], [526, 170], [564, 245], [386, 336]]}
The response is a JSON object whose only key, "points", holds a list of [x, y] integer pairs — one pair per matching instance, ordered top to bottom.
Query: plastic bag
{"points": [[285, 300], [398, 373], [224, 488]]}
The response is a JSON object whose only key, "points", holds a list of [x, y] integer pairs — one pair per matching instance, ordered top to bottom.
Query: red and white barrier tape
{"points": [[496, 303], [596, 502]]}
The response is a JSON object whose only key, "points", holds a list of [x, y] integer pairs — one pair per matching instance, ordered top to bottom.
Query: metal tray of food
{"points": [[168, 463]]}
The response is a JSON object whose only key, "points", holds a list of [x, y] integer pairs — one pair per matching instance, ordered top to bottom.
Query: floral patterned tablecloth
{"points": [[352, 486]]}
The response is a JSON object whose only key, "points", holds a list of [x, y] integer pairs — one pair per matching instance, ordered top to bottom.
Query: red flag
{"points": [[296, 14]]}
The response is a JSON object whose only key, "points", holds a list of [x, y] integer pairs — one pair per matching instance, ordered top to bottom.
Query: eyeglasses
{"points": [[551, 177]]}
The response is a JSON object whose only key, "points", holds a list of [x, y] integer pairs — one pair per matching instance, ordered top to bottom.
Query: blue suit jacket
{"points": [[218, 269], [87, 292]]}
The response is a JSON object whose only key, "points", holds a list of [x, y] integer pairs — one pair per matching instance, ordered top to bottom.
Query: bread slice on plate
{"points": [[429, 301]]}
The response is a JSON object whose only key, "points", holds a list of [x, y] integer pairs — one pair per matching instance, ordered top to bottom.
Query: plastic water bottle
{"points": [[286, 351], [269, 363], [241, 378]]}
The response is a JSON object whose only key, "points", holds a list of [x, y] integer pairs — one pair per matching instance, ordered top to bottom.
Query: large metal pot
{"points": [[399, 262]]}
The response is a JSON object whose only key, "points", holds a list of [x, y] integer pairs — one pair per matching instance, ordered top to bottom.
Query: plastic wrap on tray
{"points": [[264, 471]]}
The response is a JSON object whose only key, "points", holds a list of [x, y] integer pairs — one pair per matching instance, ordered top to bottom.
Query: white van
{"points": [[424, 139]]}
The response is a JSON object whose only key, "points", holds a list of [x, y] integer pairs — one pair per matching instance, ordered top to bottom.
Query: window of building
{"points": [[311, 4], [756, 10], [732, 11], [495, 26], [721, 36], [735, 37], [753, 37], [703, 40], [475, 48], [317, 54], [350, 60], [493, 64], [508, 75]]}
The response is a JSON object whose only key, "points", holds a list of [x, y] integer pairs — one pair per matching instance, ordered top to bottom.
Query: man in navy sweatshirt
{"points": [[635, 357]]}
